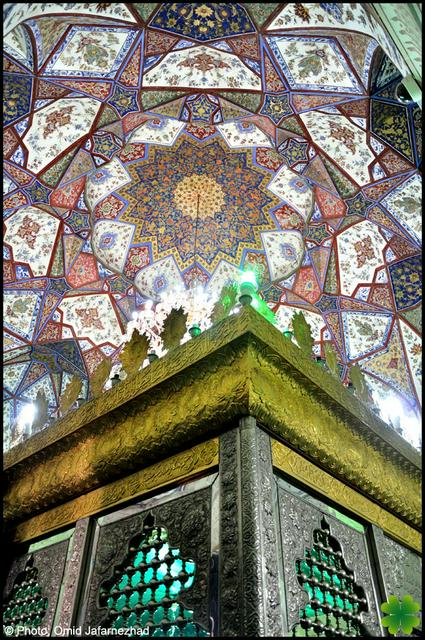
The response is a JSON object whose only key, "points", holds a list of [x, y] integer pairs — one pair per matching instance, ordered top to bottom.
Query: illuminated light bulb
{"points": [[248, 279], [248, 287], [148, 305], [134, 315], [393, 412], [27, 415]]}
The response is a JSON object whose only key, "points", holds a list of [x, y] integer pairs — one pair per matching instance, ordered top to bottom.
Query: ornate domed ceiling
{"points": [[154, 145]]}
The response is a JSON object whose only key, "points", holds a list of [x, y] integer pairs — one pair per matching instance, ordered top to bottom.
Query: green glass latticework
{"points": [[146, 588], [335, 600], [26, 606]]}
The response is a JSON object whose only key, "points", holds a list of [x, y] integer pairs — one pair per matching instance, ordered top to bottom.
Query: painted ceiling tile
{"points": [[20, 11], [348, 16], [203, 21], [47, 33], [18, 44], [246, 46], [360, 50], [91, 51], [313, 63], [202, 67], [129, 77], [96, 89], [16, 98], [276, 107], [203, 108], [390, 123], [56, 127], [160, 130], [243, 134], [342, 141], [104, 181], [294, 189], [218, 190], [405, 204], [31, 233], [111, 242], [284, 251], [360, 253], [83, 271], [223, 275], [406, 278], [154, 280], [306, 285], [20, 312], [93, 317], [364, 332], [413, 347], [389, 365], [13, 375]]}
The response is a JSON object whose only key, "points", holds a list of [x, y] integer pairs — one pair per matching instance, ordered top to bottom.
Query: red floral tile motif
{"points": [[157, 42], [246, 46], [130, 75], [273, 82], [99, 90], [304, 102], [133, 120], [200, 131], [10, 142], [132, 152], [268, 158], [393, 163], [17, 174], [68, 196], [17, 200], [330, 205], [109, 208], [288, 218], [28, 231], [401, 247], [364, 251], [138, 257], [8, 271], [83, 271], [195, 277], [306, 285], [381, 295], [89, 318], [51, 333], [92, 359]]}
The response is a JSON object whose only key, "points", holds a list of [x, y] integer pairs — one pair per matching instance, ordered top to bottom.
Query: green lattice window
{"points": [[146, 588], [336, 601], [26, 606]]}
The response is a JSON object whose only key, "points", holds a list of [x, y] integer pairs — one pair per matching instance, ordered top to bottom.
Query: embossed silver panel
{"points": [[186, 514], [298, 519], [50, 563], [401, 568], [249, 578]]}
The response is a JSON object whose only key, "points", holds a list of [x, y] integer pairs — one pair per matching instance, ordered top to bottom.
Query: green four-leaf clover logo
{"points": [[401, 615]]}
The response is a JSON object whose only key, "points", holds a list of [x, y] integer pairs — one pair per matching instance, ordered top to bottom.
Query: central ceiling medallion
{"points": [[199, 196], [194, 208]]}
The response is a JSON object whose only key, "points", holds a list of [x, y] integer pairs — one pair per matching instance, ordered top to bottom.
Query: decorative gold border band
{"points": [[240, 366], [295, 465], [177, 468]]}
